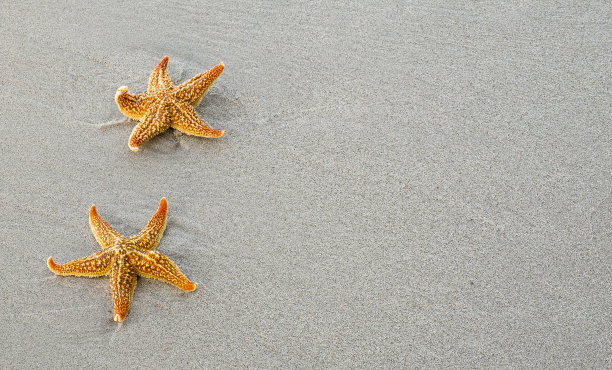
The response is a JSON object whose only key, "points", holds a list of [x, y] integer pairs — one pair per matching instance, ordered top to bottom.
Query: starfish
{"points": [[165, 105], [126, 258]]}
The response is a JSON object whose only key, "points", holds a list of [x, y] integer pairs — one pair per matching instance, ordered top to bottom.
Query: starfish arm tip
{"points": [[163, 63], [218, 69], [120, 91], [133, 148], [163, 203], [163, 207], [54, 267], [119, 317]]}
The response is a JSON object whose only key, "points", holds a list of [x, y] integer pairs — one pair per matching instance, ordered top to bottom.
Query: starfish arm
{"points": [[159, 79], [194, 89], [133, 106], [185, 119], [154, 121], [104, 233], [149, 237], [98, 264], [155, 265], [122, 283]]}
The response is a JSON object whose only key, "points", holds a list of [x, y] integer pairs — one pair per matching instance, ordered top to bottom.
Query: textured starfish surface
{"points": [[165, 105], [126, 258]]}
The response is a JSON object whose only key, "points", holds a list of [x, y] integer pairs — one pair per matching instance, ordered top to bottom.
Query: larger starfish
{"points": [[165, 105], [126, 258]]}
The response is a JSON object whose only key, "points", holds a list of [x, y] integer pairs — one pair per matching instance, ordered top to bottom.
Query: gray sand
{"points": [[418, 185]]}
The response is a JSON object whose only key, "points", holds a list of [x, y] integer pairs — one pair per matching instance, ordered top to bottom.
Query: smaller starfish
{"points": [[165, 105], [126, 258]]}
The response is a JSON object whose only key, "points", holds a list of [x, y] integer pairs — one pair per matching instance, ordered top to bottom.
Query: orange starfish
{"points": [[165, 105], [126, 258]]}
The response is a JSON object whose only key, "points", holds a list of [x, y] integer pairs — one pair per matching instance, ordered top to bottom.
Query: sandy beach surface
{"points": [[424, 184]]}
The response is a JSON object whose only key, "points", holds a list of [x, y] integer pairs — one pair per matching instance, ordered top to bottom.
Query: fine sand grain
{"points": [[417, 185]]}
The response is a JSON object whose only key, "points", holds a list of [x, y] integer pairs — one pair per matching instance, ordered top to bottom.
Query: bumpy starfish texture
{"points": [[165, 105], [126, 258]]}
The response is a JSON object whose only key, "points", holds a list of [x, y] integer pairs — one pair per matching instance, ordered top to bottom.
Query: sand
{"points": [[417, 185]]}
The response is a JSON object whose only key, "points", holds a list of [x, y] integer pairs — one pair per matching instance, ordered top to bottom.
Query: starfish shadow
{"points": [[166, 142]]}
